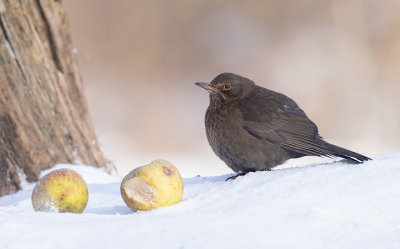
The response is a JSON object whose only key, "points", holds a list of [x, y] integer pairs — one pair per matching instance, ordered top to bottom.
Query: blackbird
{"points": [[252, 128]]}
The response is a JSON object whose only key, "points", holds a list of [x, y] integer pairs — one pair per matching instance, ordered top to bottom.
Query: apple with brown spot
{"points": [[157, 184]]}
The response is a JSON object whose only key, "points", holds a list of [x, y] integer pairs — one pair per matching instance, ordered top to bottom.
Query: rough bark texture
{"points": [[43, 115]]}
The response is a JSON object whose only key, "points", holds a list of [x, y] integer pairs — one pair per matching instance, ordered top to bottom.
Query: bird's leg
{"points": [[234, 177]]}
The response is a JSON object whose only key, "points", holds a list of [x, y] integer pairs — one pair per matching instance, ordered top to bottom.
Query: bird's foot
{"points": [[236, 176]]}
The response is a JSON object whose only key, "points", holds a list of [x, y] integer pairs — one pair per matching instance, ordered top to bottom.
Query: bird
{"points": [[252, 128]]}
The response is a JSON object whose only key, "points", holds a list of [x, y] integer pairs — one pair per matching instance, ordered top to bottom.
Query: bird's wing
{"points": [[285, 126]]}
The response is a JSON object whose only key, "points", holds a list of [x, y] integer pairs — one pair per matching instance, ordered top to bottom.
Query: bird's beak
{"points": [[206, 86]]}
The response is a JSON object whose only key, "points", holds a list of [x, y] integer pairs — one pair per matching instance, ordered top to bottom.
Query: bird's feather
{"points": [[285, 126]]}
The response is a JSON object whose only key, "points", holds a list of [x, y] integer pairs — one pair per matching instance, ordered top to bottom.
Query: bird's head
{"points": [[228, 87]]}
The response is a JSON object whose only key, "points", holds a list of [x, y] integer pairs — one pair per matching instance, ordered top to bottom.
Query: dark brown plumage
{"points": [[251, 128]]}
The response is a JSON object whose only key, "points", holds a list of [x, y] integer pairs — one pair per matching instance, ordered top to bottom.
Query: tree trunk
{"points": [[43, 115]]}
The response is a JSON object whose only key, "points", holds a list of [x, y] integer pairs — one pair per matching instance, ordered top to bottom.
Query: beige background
{"points": [[139, 60]]}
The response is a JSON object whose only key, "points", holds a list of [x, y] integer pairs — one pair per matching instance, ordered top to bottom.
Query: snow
{"points": [[320, 205]]}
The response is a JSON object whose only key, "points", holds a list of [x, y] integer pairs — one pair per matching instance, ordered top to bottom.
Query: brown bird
{"points": [[252, 128]]}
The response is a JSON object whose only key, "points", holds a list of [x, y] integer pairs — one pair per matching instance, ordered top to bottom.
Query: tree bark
{"points": [[43, 114]]}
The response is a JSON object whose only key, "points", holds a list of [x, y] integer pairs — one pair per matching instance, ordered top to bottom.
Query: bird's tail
{"points": [[341, 152]]}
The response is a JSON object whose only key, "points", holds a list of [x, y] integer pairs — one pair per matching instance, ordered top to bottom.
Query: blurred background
{"points": [[139, 60]]}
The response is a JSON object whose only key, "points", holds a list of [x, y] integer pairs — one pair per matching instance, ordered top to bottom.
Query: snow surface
{"points": [[323, 205]]}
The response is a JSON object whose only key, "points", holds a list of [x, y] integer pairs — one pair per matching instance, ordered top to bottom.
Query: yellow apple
{"points": [[157, 184], [62, 190]]}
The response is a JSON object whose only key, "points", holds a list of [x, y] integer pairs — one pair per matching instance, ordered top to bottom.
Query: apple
{"points": [[157, 184], [61, 190]]}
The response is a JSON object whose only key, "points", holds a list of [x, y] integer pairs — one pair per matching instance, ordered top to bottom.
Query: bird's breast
{"points": [[222, 126]]}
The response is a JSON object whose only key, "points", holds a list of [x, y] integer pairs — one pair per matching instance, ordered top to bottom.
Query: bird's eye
{"points": [[227, 86]]}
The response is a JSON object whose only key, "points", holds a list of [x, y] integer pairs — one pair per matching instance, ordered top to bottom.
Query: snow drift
{"points": [[325, 205]]}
